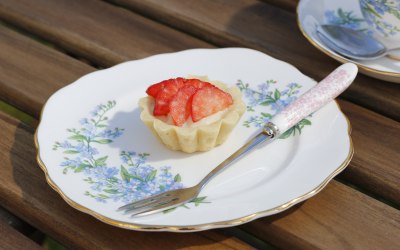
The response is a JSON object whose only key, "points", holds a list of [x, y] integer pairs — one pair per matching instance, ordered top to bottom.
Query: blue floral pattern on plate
{"points": [[375, 9], [345, 19], [265, 95], [133, 180]]}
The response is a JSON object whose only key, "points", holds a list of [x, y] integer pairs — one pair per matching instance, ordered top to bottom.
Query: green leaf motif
{"points": [[277, 94], [267, 102], [266, 115], [305, 122], [287, 134], [77, 137], [103, 141], [70, 152], [101, 161], [125, 174], [152, 175], [177, 178], [111, 191], [197, 201]]}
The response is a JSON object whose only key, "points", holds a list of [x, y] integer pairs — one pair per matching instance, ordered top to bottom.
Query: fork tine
{"points": [[143, 201], [153, 202], [153, 208]]}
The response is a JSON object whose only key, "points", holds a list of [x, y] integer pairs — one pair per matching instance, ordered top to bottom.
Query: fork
{"points": [[314, 99]]}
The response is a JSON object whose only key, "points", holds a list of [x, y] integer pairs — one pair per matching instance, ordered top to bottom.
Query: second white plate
{"points": [[311, 13]]}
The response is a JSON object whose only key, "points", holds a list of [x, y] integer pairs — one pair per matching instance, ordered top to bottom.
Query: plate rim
{"points": [[338, 58], [196, 227]]}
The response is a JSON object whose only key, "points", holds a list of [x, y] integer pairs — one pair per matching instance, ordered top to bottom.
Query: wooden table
{"points": [[47, 44]]}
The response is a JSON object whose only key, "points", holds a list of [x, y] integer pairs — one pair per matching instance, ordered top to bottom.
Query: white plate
{"points": [[311, 13], [269, 180]]}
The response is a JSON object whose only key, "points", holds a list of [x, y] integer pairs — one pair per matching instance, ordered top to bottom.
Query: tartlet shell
{"points": [[192, 139]]}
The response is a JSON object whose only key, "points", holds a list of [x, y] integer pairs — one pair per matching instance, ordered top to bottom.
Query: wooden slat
{"points": [[289, 5], [245, 23], [258, 25], [102, 33], [36, 70], [30, 89], [375, 165], [24, 191], [69, 213], [305, 218], [334, 218], [12, 239]]}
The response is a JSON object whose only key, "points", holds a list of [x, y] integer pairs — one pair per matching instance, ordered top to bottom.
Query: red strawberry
{"points": [[197, 83], [154, 89], [164, 96], [209, 100], [180, 105]]}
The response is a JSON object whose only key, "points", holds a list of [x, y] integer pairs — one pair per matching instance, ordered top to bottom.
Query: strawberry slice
{"points": [[197, 83], [154, 89], [168, 89], [209, 100], [181, 105]]}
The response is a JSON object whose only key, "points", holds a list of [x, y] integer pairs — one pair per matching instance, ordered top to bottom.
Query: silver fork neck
{"points": [[269, 133]]}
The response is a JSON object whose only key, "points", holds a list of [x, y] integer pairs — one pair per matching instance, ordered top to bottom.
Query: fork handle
{"points": [[315, 98]]}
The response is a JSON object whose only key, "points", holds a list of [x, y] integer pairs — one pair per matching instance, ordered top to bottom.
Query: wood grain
{"points": [[289, 5], [258, 25], [104, 34], [119, 35], [36, 70], [375, 161], [375, 165], [23, 190], [33, 199], [334, 218], [328, 221], [12, 239]]}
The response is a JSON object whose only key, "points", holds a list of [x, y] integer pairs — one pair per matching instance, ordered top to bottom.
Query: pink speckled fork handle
{"points": [[317, 97]]}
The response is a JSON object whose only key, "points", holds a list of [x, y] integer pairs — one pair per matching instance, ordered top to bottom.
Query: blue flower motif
{"points": [[331, 17], [343, 18], [293, 85], [263, 88], [276, 99], [96, 110], [83, 121], [89, 130], [111, 134], [66, 145], [85, 150], [71, 162], [136, 180]]}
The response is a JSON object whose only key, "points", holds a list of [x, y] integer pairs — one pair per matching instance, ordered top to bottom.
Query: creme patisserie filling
{"points": [[189, 122]]}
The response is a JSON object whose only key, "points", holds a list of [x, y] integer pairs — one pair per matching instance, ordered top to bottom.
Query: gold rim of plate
{"points": [[340, 59], [199, 227]]}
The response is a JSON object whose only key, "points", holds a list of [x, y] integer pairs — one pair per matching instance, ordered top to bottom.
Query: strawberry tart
{"points": [[191, 114]]}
